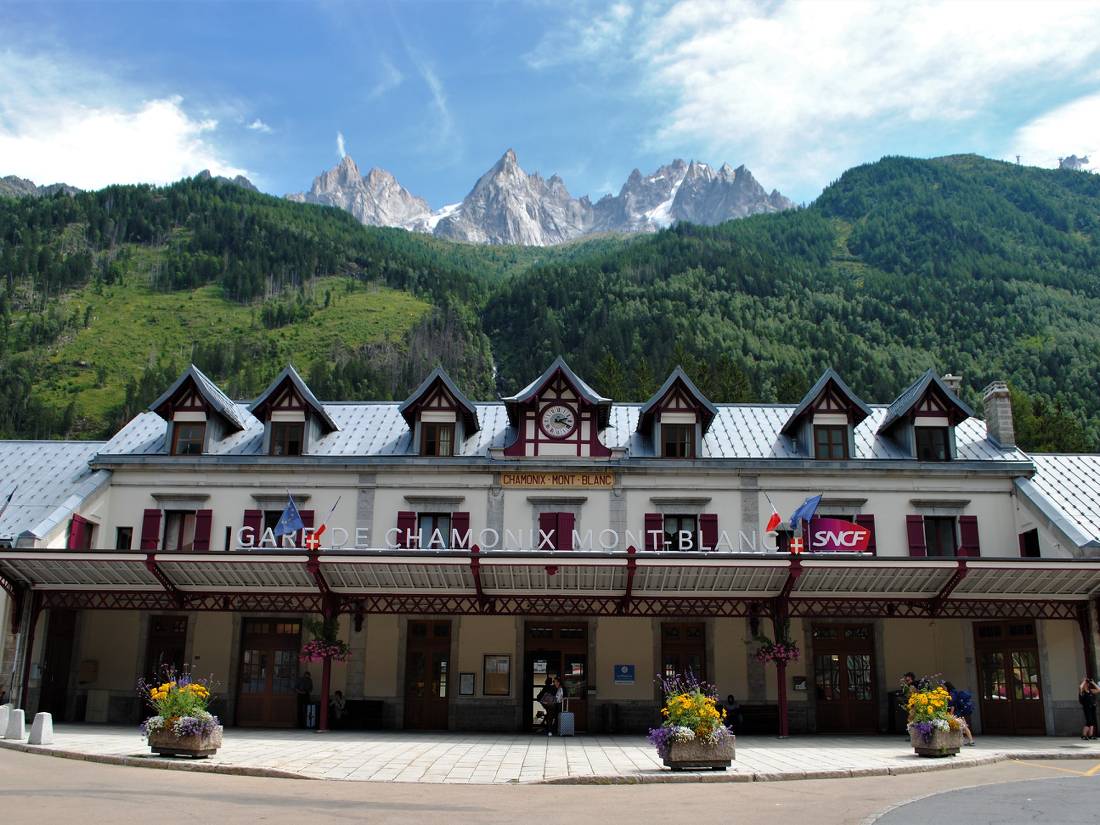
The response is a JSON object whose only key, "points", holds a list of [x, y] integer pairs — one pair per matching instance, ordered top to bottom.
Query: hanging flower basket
{"points": [[326, 643], [780, 651]]}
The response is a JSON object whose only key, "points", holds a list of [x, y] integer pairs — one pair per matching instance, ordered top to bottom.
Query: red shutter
{"points": [[203, 519], [867, 520], [307, 521], [566, 523], [253, 527], [708, 528], [914, 528], [406, 529], [150, 530], [460, 531], [654, 531], [79, 533], [968, 536], [547, 538], [1023, 545]]}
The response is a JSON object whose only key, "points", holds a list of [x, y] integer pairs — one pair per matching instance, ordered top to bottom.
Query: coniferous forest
{"points": [[962, 264]]}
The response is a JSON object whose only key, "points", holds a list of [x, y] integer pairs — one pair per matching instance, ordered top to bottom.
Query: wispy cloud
{"points": [[390, 77], [802, 89], [64, 121], [445, 123], [258, 125], [1072, 129], [341, 151]]}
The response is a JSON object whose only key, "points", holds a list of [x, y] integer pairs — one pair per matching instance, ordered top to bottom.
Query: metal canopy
{"points": [[611, 583]]}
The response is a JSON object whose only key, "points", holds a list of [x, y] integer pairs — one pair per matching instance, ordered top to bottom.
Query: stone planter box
{"points": [[166, 743], [944, 743], [693, 755]]}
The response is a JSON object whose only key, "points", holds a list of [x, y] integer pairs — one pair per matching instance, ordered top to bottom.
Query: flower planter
{"points": [[166, 743], [943, 743], [693, 755]]}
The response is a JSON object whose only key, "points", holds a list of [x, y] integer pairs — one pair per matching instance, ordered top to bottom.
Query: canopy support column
{"points": [[34, 609], [328, 614], [780, 624], [1085, 625]]}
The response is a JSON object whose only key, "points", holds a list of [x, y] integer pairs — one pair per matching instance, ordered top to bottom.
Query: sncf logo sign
{"points": [[833, 535]]}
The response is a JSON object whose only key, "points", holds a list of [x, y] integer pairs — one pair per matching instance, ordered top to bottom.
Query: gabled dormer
{"points": [[198, 414], [557, 415], [440, 416], [293, 417], [677, 417], [922, 419], [824, 422]]}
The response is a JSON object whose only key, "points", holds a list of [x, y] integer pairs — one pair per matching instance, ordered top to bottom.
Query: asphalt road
{"points": [[43, 789]]}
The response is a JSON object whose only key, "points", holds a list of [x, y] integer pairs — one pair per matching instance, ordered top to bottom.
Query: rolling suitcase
{"points": [[566, 720]]}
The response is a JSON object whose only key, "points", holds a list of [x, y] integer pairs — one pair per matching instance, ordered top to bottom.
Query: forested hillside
{"points": [[961, 264]]}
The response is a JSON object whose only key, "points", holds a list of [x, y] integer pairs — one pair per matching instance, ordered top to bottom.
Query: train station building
{"points": [[473, 549]]}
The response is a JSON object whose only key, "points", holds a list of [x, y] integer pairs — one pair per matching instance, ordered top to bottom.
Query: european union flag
{"points": [[805, 511], [290, 521]]}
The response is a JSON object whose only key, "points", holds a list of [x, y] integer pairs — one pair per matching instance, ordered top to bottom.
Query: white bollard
{"points": [[4, 710], [17, 725], [41, 729]]}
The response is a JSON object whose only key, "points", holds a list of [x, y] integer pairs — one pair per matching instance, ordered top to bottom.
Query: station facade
{"points": [[471, 550]]}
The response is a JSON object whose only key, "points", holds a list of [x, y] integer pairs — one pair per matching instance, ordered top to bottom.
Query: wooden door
{"points": [[166, 646], [564, 648], [684, 649], [56, 663], [539, 666], [269, 673], [427, 675], [844, 678], [1009, 680]]}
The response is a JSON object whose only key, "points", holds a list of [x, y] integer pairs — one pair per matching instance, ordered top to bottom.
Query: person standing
{"points": [[304, 689], [1086, 695], [962, 705], [553, 707]]}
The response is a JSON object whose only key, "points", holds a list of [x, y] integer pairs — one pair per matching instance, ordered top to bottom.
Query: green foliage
{"points": [[960, 264]]}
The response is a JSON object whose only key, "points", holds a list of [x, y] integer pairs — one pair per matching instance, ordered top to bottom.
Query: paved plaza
{"points": [[488, 758]]}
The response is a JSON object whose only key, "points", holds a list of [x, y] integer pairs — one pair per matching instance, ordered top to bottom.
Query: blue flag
{"points": [[805, 511], [290, 521]]}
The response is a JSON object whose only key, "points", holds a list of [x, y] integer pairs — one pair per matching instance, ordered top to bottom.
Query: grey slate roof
{"points": [[678, 374], [303, 390], [816, 390], [904, 402], [468, 410], [236, 414], [739, 431], [51, 479], [1066, 489]]}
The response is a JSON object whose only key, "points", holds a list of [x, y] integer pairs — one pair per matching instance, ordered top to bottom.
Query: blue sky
{"points": [[92, 93]]}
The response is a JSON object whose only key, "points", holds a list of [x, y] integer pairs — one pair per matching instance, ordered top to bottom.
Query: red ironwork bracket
{"points": [[631, 569], [793, 574], [169, 586], [485, 603], [935, 607], [811, 608]]}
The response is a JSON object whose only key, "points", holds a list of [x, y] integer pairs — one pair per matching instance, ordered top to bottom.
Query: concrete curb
{"points": [[152, 761], [662, 778]]}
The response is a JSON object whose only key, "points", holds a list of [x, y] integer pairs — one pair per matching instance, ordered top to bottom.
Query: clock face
{"points": [[558, 420]]}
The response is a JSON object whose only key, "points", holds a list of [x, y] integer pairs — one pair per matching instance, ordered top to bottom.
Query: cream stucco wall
{"points": [[479, 636], [110, 638], [622, 641], [927, 648], [1065, 659], [730, 670], [380, 677]]}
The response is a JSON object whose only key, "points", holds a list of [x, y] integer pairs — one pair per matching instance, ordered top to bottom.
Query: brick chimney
{"points": [[954, 382], [998, 414]]}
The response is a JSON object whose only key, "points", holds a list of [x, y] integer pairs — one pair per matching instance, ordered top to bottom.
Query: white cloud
{"points": [[389, 79], [801, 89], [64, 122], [445, 123], [258, 125], [1072, 129], [341, 152]]}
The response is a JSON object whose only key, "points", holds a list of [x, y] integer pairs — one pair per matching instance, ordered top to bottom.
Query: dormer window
{"points": [[677, 417], [823, 424], [188, 437], [287, 437], [437, 438], [677, 440], [831, 442], [932, 443]]}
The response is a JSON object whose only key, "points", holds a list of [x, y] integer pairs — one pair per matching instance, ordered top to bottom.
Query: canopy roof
{"points": [[463, 581]]}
